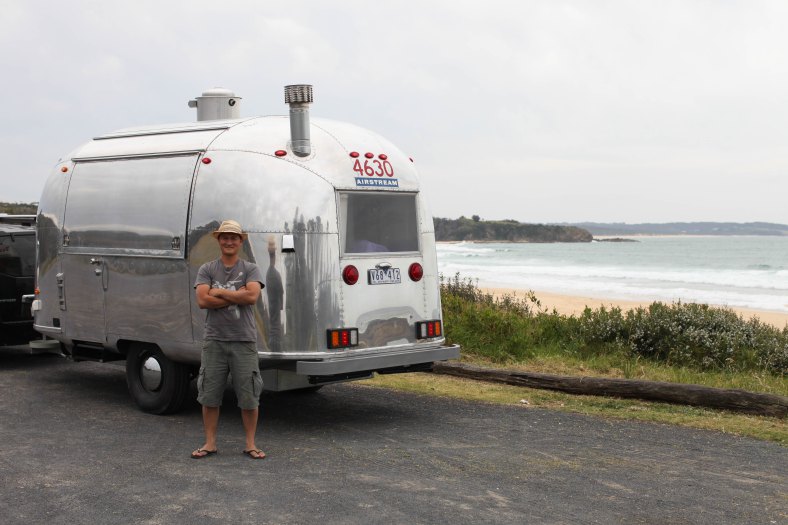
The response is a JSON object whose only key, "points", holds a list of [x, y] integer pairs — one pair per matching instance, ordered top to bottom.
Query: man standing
{"points": [[228, 289]]}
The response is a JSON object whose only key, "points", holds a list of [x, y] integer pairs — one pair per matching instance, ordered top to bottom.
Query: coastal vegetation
{"points": [[19, 208], [476, 229], [697, 337], [680, 343]]}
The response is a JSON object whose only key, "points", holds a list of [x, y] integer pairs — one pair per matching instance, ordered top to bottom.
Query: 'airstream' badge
{"points": [[389, 183]]}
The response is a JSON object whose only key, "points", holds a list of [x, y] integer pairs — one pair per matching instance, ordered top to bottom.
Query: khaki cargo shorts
{"points": [[240, 360]]}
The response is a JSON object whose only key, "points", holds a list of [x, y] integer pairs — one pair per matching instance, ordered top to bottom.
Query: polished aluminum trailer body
{"points": [[125, 222]]}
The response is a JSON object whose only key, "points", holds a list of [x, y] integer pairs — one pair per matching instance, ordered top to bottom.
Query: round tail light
{"points": [[415, 272], [350, 274]]}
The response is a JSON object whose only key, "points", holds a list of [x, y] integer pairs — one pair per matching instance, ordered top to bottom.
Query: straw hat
{"points": [[230, 226]]}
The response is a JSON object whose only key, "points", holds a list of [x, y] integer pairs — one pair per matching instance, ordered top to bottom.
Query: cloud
{"points": [[548, 110]]}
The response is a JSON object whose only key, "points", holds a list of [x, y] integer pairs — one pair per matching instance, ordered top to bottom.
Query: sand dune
{"points": [[567, 304]]}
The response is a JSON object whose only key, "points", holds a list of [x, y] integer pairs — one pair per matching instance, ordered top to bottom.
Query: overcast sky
{"points": [[540, 111]]}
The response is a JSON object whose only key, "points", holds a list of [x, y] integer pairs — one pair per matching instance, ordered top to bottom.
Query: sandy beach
{"points": [[573, 305]]}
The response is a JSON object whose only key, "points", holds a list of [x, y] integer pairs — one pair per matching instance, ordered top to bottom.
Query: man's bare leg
{"points": [[249, 418], [210, 422]]}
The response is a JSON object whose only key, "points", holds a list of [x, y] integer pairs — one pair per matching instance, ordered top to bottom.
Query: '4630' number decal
{"points": [[373, 167]]}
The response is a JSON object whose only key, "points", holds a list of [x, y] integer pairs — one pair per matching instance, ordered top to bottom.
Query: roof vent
{"points": [[299, 96], [217, 104]]}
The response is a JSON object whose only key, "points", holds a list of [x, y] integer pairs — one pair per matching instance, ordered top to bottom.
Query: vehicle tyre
{"points": [[157, 384]]}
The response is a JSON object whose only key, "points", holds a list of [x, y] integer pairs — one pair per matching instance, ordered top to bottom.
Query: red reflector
{"points": [[280, 153], [354, 154], [369, 155], [383, 156], [206, 160], [415, 272], [350, 274]]}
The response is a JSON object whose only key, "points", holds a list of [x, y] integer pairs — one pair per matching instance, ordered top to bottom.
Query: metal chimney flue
{"points": [[298, 97], [217, 104]]}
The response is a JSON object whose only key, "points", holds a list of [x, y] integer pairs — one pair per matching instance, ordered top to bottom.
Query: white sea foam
{"points": [[464, 248], [747, 272]]}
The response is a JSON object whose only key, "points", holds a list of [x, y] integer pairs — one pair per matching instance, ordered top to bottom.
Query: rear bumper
{"points": [[377, 361]]}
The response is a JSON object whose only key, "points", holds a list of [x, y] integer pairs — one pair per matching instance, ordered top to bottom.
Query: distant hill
{"points": [[685, 228], [475, 229]]}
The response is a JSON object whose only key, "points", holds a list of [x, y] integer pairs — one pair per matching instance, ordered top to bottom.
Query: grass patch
{"points": [[618, 367], [765, 428]]}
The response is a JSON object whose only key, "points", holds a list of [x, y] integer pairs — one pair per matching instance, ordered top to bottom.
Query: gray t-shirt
{"points": [[235, 322]]}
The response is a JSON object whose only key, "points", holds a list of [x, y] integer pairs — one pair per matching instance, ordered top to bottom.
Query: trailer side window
{"points": [[130, 205], [379, 222]]}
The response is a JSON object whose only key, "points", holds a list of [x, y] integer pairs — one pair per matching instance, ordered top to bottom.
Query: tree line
{"points": [[19, 208], [476, 229]]}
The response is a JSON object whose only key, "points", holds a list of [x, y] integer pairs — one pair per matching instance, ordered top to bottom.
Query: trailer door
{"points": [[123, 252], [82, 269]]}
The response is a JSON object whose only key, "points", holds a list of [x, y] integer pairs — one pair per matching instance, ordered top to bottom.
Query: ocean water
{"points": [[741, 271]]}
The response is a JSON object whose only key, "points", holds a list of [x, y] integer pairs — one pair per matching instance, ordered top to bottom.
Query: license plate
{"points": [[383, 276]]}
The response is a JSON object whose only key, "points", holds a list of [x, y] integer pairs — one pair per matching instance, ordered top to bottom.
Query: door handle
{"points": [[93, 260]]}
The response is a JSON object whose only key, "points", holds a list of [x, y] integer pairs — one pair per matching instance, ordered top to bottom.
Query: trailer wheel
{"points": [[156, 384]]}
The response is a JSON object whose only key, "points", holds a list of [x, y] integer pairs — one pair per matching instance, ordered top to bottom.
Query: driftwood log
{"points": [[727, 399]]}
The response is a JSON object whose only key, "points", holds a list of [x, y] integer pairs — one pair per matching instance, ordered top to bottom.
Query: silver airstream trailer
{"points": [[336, 221]]}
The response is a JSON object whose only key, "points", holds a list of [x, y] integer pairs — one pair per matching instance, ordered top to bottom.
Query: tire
{"points": [[161, 391]]}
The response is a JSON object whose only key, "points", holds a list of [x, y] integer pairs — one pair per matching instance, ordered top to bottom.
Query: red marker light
{"points": [[280, 153], [354, 154], [369, 155], [383, 156], [206, 160], [64, 169], [415, 272], [350, 274]]}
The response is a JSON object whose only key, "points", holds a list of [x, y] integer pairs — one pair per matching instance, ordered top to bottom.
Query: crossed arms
{"points": [[213, 298]]}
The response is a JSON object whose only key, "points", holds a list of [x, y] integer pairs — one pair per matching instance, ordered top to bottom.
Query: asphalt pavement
{"points": [[76, 450]]}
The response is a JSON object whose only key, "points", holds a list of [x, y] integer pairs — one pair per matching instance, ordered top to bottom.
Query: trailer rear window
{"points": [[378, 222]]}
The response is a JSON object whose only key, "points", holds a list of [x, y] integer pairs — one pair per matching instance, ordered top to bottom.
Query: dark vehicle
{"points": [[17, 276]]}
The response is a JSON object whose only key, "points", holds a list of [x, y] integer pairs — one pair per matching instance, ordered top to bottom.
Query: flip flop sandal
{"points": [[250, 452], [202, 453]]}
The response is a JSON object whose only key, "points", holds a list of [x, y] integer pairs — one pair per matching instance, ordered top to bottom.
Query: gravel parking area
{"points": [[76, 450]]}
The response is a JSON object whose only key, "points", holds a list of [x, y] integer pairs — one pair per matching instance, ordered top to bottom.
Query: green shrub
{"points": [[697, 336]]}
